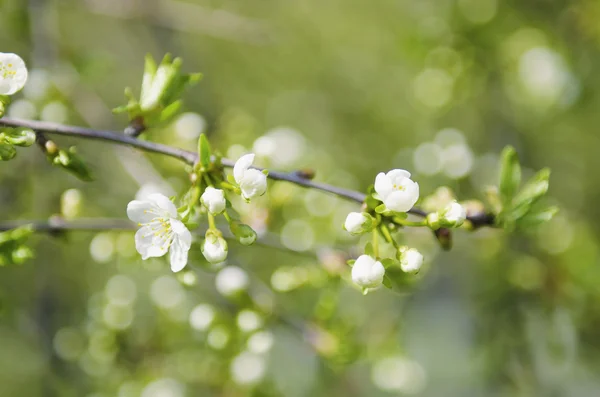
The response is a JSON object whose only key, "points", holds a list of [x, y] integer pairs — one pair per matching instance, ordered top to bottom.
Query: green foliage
{"points": [[161, 90], [11, 137], [71, 162], [519, 208], [13, 250]]}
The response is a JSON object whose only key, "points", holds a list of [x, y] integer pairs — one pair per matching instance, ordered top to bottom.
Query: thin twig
{"points": [[191, 158], [57, 225]]}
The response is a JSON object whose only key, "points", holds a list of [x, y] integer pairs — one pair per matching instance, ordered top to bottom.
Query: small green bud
{"points": [[21, 137], [51, 148], [7, 151], [244, 233], [21, 254]]}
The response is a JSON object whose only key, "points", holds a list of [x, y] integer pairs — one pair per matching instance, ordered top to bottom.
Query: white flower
{"points": [[13, 73], [252, 182], [397, 191], [214, 200], [455, 214], [358, 223], [160, 231], [214, 248], [411, 261], [367, 272]]}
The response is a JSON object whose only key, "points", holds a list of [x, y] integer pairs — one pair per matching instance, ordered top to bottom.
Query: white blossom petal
{"points": [[241, 166], [397, 175], [253, 184], [383, 185], [163, 203], [140, 211], [181, 233], [148, 244], [178, 254]]}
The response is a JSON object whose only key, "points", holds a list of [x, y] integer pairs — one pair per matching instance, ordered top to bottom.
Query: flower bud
{"points": [[21, 137], [7, 152], [252, 182], [214, 200], [453, 215], [358, 223], [244, 233], [214, 248], [411, 260], [367, 272]]}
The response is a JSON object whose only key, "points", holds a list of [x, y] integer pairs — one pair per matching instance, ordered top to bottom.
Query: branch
{"points": [[191, 158], [57, 225]]}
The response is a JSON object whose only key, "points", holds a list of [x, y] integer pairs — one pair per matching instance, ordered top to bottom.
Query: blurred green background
{"points": [[347, 88]]}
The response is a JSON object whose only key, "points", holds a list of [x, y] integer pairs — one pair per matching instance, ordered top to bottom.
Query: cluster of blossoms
{"points": [[393, 195], [163, 228]]}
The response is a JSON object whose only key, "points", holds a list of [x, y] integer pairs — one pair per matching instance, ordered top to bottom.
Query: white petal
{"points": [[241, 166], [397, 175], [253, 184], [383, 185], [162, 202], [140, 211], [181, 233], [148, 245], [178, 254]]}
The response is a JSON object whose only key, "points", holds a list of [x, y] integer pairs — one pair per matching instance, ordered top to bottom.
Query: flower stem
{"points": [[207, 179], [227, 217], [211, 222], [405, 222], [385, 231], [375, 243]]}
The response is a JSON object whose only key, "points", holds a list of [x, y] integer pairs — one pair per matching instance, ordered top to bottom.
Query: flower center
{"points": [[6, 71], [398, 187], [161, 229]]}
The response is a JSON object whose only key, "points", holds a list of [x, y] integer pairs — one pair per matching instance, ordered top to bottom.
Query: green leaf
{"points": [[149, 73], [170, 111], [204, 151], [7, 152], [510, 174], [231, 180], [534, 189], [371, 202], [380, 209], [536, 218], [369, 249], [351, 262], [388, 262], [387, 282]]}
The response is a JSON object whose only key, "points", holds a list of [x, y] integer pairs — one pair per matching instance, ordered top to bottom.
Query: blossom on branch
{"points": [[13, 73], [252, 182], [397, 191], [214, 200], [358, 223], [161, 231], [411, 260], [367, 272]]}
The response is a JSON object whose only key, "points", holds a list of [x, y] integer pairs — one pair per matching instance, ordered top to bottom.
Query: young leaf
{"points": [[204, 151], [510, 174], [380, 209], [369, 250], [388, 262]]}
